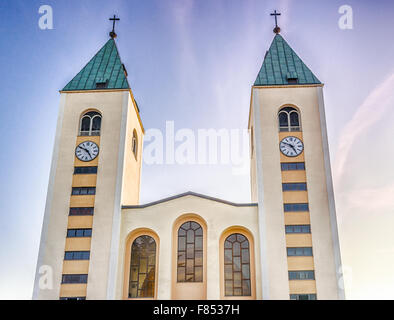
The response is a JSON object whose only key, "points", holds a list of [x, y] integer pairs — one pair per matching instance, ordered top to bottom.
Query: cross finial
{"points": [[275, 14], [112, 34]]}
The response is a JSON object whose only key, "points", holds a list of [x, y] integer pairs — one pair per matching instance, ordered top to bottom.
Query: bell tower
{"points": [[95, 169], [291, 180]]}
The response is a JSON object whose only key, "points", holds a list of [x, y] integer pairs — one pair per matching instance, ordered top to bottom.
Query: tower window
{"points": [[292, 78], [292, 81], [102, 85], [289, 119], [90, 124], [251, 142], [134, 144], [287, 166], [85, 170], [294, 186], [83, 191], [288, 207], [81, 211], [298, 228], [76, 233], [299, 251], [190, 252], [77, 255], [237, 265], [302, 275], [75, 278], [310, 296]]}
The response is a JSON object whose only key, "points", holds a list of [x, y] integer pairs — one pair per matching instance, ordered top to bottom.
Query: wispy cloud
{"points": [[183, 13], [378, 102], [372, 200]]}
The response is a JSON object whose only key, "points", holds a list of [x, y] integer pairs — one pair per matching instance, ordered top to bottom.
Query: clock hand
{"points": [[291, 146], [86, 150]]}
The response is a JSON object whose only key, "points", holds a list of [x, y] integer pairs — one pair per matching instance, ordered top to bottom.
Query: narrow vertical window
{"points": [[251, 142], [134, 144], [190, 252], [237, 266], [142, 268]]}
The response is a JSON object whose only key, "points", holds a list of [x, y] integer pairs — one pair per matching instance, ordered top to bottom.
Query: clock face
{"points": [[291, 146], [87, 151]]}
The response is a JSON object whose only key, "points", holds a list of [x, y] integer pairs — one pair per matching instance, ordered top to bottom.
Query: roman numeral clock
{"points": [[291, 146], [87, 151]]}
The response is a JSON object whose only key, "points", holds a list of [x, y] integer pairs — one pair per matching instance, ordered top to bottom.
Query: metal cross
{"points": [[114, 19], [276, 29]]}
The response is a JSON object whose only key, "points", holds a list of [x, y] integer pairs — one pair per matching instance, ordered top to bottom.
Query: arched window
{"points": [[289, 119], [90, 124], [134, 144], [190, 252], [142, 268], [237, 280]]}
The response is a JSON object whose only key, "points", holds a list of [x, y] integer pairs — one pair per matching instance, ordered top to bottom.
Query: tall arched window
{"points": [[289, 119], [90, 124], [134, 144], [190, 252], [237, 266], [142, 268]]}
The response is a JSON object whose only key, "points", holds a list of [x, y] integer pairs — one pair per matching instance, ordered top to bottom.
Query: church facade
{"points": [[99, 242]]}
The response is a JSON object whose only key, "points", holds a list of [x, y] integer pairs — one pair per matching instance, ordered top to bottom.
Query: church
{"points": [[99, 242]]}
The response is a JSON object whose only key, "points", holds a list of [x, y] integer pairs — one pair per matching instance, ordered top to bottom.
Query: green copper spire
{"points": [[282, 66], [103, 71]]}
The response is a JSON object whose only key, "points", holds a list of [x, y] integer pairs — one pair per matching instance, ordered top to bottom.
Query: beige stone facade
{"points": [[189, 246]]}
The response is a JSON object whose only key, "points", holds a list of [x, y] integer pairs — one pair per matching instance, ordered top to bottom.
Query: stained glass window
{"points": [[190, 252], [237, 266], [142, 268]]}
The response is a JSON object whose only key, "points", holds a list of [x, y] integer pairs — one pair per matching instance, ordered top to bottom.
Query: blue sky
{"points": [[193, 62]]}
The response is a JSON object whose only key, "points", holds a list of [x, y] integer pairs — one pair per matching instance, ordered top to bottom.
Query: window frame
{"points": [[288, 110], [91, 114], [134, 144], [299, 166], [85, 170], [294, 186], [90, 191], [296, 207], [89, 211], [293, 226], [86, 233], [236, 234], [249, 236], [195, 251], [305, 251], [77, 255], [127, 261], [139, 268], [297, 275], [82, 277], [296, 296], [72, 298]]}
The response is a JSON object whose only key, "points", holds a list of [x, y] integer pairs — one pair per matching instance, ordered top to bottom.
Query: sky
{"points": [[193, 62]]}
